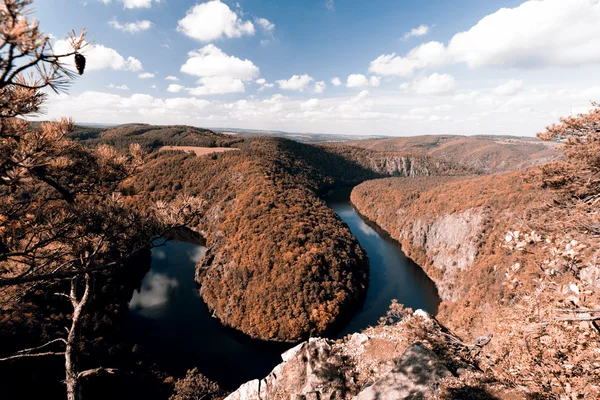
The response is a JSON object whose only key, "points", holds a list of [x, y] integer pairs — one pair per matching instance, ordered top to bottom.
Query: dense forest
{"points": [[270, 236], [515, 254]]}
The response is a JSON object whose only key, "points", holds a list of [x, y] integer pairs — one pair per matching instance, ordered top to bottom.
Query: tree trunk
{"points": [[71, 365]]}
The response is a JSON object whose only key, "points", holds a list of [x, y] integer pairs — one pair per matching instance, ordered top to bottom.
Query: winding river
{"points": [[169, 320]]}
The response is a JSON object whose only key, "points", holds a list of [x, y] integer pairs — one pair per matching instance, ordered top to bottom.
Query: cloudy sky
{"points": [[332, 66]]}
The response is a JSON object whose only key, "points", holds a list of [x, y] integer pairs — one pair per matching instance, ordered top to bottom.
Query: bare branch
{"points": [[42, 346], [16, 356], [95, 371]]}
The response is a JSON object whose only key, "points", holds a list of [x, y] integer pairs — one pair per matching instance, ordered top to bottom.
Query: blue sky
{"points": [[403, 67]]}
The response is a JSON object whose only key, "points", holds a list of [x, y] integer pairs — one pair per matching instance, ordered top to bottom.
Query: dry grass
{"points": [[199, 151]]}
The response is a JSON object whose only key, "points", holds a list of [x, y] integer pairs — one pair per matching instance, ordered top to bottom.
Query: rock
{"points": [[423, 314], [310, 370], [417, 375]]}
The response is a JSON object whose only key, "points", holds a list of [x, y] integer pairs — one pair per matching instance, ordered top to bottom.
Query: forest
{"points": [[515, 254]]}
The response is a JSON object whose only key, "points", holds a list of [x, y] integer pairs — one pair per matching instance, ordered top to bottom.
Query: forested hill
{"points": [[153, 136], [487, 154], [280, 264]]}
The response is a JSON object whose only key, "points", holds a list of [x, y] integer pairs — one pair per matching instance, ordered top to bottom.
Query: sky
{"points": [[379, 67]]}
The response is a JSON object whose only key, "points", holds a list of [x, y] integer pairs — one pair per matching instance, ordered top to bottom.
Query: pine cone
{"points": [[80, 63]]}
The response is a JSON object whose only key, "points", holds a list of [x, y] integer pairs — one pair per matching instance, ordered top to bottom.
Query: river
{"points": [[170, 321]]}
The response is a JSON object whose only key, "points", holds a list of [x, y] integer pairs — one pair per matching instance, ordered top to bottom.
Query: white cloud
{"points": [[136, 3], [330, 5], [213, 20], [267, 26], [131, 27], [415, 32], [536, 34], [427, 55], [99, 57], [211, 61], [146, 75], [172, 78], [359, 80], [336, 81], [296, 82], [263, 84], [435, 84], [217, 85], [152, 86], [120, 87], [320, 87], [174, 88], [509, 88], [310, 104]]}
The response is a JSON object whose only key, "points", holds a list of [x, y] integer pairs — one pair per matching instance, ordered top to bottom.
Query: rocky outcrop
{"points": [[385, 362], [311, 370], [417, 375]]}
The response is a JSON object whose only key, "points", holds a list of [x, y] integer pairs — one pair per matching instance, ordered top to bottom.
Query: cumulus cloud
{"points": [[135, 3], [213, 20], [267, 26], [131, 27], [415, 32], [536, 34], [427, 55], [99, 57], [210, 61], [146, 75], [172, 78], [336, 81], [359, 81], [296, 82], [264, 84], [435, 84], [217, 85], [120, 87], [320, 87], [174, 88], [509, 88], [310, 104]]}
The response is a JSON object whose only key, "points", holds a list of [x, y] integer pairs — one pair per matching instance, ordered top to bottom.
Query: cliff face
{"points": [[450, 243], [511, 258]]}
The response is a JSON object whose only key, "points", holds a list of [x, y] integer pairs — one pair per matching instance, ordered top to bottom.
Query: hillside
{"points": [[152, 136], [487, 154], [507, 257], [280, 264]]}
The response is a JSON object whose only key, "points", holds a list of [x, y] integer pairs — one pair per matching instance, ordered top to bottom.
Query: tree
{"points": [[580, 174], [577, 178], [63, 215], [196, 386]]}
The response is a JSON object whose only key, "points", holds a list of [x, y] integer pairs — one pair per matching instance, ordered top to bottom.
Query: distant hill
{"points": [[153, 136], [298, 137], [484, 153]]}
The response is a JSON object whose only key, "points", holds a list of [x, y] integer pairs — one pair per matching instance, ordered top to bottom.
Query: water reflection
{"points": [[152, 297], [169, 319], [171, 322]]}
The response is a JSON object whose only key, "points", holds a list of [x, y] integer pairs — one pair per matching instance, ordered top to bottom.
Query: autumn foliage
{"points": [[534, 277]]}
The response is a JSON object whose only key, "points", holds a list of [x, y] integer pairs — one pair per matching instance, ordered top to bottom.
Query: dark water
{"points": [[392, 274], [168, 318]]}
